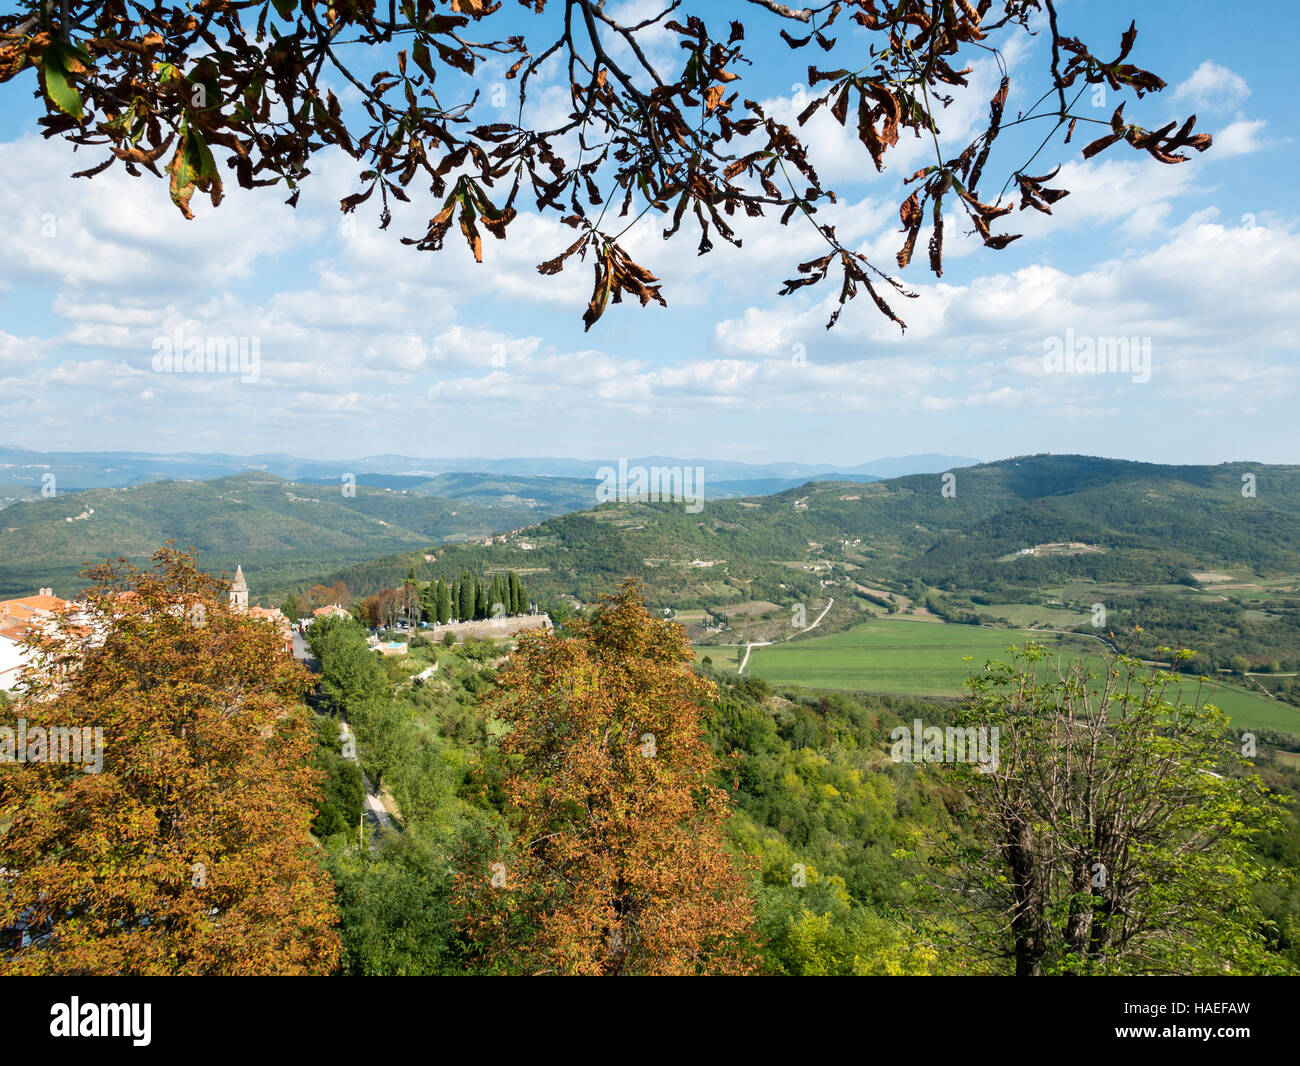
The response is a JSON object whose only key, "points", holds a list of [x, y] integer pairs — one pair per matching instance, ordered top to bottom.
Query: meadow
{"points": [[927, 659]]}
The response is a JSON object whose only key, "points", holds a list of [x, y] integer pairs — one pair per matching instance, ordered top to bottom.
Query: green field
{"points": [[1033, 614], [925, 659]]}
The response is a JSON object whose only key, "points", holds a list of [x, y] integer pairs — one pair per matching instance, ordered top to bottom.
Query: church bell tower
{"points": [[239, 591]]}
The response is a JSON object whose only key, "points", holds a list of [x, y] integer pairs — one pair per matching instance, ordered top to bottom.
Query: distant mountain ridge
{"points": [[22, 469]]}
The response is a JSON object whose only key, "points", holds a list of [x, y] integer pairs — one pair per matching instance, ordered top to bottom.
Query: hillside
{"points": [[1138, 521], [283, 529], [1033, 540]]}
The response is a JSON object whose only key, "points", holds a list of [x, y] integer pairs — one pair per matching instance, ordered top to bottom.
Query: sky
{"points": [[367, 346]]}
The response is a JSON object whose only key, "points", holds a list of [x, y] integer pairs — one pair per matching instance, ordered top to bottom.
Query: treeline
{"points": [[469, 597], [472, 597], [1223, 635]]}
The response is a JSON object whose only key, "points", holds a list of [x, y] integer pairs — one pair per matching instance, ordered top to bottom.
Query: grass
{"points": [[1032, 614], [892, 655], [926, 659]]}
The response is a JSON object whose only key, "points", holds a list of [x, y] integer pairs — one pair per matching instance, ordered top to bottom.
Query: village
{"points": [[20, 618]]}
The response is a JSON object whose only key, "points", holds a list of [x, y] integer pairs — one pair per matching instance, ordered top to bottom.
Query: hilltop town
{"points": [[24, 616]]}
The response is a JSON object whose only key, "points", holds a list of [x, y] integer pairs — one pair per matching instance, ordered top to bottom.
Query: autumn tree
{"points": [[198, 92], [323, 596], [1112, 832], [187, 851], [612, 858]]}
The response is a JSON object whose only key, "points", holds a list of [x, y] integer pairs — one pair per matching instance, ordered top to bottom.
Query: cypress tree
{"points": [[465, 599], [480, 600], [444, 602]]}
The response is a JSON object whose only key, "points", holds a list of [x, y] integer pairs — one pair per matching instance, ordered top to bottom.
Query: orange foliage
{"points": [[189, 852], [616, 861]]}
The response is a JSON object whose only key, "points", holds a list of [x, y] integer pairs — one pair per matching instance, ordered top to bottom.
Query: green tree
{"points": [[410, 598], [444, 603], [465, 603], [350, 674], [385, 737], [344, 791], [1112, 832], [395, 915]]}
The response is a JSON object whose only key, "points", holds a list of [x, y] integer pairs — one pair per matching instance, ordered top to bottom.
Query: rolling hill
{"points": [[1136, 522], [282, 529], [1037, 540]]}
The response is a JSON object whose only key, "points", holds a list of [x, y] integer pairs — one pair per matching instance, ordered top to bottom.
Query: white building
{"points": [[17, 618]]}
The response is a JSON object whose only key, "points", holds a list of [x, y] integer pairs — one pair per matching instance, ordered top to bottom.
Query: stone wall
{"points": [[494, 628]]}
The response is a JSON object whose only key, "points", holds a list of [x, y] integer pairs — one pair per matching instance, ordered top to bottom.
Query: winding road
{"points": [[768, 643]]}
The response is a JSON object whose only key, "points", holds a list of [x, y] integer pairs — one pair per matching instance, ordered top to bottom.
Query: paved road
{"points": [[303, 653], [373, 805]]}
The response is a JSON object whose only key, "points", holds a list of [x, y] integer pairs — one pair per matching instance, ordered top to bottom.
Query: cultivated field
{"points": [[894, 655], [926, 659]]}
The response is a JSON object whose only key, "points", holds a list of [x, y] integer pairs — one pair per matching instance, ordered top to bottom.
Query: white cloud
{"points": [[1212, 87], [1239, 138], [122, 233], [1219, 305], [14, 349]]}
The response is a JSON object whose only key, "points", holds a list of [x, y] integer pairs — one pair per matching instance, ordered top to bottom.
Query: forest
{"points": [[835, 837]]}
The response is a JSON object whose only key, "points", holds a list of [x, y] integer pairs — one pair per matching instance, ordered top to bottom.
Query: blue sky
{"points": [[368, 346]]}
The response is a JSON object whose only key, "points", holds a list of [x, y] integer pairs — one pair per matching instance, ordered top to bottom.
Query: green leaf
{"points": [[58, 80], [192, 167]]}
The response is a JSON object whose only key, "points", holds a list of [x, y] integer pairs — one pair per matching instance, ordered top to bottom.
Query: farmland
{"points": [[927, 659]]}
